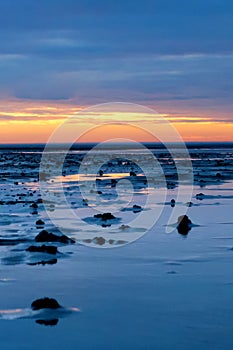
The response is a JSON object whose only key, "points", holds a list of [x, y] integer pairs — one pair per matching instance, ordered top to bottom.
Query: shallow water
{"points": [[163, 291]]}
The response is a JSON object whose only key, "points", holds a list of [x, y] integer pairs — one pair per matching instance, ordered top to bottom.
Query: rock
{"points": [[132, 173], [113, 182], [171, 185], [200, 196], [85, 202], [173, 203], [34, 205], [137, 208], [34, 212], [105, 216], [40, 223], [184, 224], [106, 225], [124, 227], [45, 236], [88, 240], [99, 240], [42, 249], [45, 303]]}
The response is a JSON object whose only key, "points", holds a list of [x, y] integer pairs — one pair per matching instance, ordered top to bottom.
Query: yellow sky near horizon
{"points": [[35, 121]]}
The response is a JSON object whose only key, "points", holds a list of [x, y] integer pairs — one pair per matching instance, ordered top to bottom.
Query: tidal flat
{"points": [[120, 286]]}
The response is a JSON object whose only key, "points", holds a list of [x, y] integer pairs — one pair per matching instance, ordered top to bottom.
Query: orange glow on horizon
{"points": [[34, 121]]}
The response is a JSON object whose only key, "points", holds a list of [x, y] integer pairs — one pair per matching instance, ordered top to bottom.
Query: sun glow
{"points": [[23, 121]]}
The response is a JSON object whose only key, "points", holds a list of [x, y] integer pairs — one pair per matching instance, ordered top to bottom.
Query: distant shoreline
{"points": [[149, 145]]}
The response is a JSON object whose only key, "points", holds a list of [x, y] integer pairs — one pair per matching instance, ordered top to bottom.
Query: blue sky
{"points": [[167, 54]]}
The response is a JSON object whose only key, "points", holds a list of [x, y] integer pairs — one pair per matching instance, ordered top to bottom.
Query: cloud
{"points": [[170, 52], [29, 111]]}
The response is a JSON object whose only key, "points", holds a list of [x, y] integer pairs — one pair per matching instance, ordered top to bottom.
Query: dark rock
{"points": [[132, 173], [113, 183], [171, 185], [200, 196], [85, 202], [173, 203], [34, 205], [136, 208], [34, 212], [105, 216], [40, 223], [184, 224], [106, 225], [45, 236], [42, 249], [45, 303]]}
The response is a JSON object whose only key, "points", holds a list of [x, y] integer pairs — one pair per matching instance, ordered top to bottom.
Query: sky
{"points": [[58, 57]]}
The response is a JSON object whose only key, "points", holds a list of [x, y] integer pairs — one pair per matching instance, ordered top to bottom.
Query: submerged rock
{"points": [[171, 185], [184, 224], [45, 236], [42, 249], [44, 262], [45, 303], [53, 322]]}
